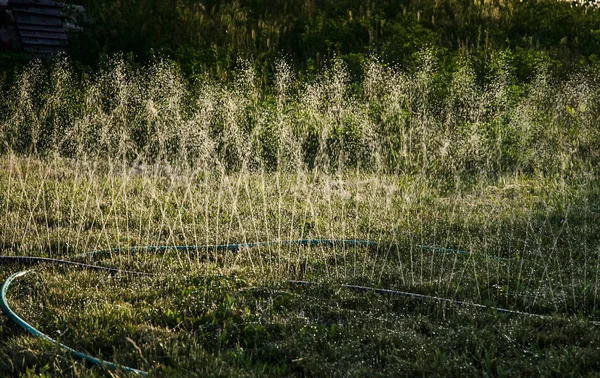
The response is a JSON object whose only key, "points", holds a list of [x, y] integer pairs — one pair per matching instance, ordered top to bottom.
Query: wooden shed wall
{"points": [[39, 25]]}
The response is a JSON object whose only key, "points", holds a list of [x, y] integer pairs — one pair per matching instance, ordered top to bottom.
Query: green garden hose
{"points": [[223, 247], [29, 260], [29, 328]]}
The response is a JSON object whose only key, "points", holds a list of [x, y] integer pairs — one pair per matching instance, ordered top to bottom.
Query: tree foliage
{"points": [[211, 35]]}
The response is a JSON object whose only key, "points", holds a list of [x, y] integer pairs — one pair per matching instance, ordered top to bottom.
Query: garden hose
{"points": [[222, 247], [29, 260], [29, 328]]}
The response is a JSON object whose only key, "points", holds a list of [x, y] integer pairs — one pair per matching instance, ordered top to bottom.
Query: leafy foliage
{"points": [[212, 35]]}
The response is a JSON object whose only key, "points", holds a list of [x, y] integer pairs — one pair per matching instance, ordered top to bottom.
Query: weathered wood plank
{"points": [[43, 3], [47, 12], [36, 19], [40, 28], [59, 35], [41, 41]]}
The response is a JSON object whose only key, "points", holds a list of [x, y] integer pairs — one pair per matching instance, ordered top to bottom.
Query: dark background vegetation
{"points": [[211, 37]]}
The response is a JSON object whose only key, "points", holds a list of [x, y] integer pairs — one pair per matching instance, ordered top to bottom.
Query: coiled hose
{"points": [[222, 247]]}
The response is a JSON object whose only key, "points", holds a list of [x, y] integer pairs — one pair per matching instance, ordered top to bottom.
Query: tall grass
{"points": [[393, 121]]}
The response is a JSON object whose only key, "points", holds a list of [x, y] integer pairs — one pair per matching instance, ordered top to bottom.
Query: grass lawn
{"points": [[529, 244]]}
